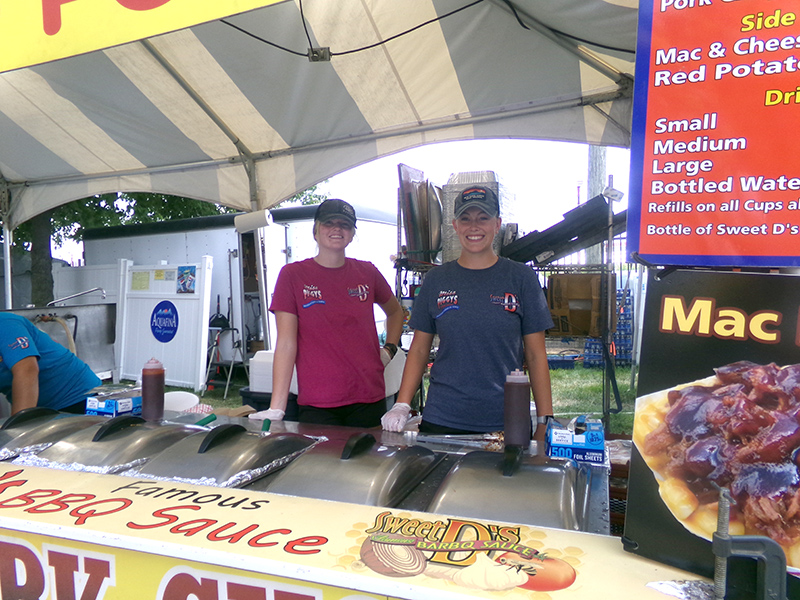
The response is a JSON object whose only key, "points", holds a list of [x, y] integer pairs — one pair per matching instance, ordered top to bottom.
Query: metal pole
{"points": [[258, 234], [8, 239], [611, 304]]}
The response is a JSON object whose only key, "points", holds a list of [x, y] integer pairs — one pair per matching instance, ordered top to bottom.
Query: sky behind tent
{"points": [[546, 178]]}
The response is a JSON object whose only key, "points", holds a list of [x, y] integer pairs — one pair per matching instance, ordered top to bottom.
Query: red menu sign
{"points": [[714, 151]]}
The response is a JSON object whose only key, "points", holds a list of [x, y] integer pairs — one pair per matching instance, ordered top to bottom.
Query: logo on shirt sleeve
{"points": [[312, 295], [508, 301], [20, 343]]}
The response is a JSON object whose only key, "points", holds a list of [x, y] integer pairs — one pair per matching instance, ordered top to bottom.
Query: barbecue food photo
{"points": [[738, 429]]}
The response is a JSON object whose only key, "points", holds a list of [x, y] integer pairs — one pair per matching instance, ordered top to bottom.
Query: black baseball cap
{"points": [[482, 197], [333, 209]]}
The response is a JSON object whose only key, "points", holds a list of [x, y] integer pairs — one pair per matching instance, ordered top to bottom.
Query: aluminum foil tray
{"points": [[34, 429], [112, 446], [226, 456], [359, 471], [542, 491]]}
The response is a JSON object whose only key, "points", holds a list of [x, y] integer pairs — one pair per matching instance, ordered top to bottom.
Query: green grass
{"points": [[579, 391], [215, 392]]}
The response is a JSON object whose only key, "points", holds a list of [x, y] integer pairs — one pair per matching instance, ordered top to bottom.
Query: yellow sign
{"points": [[33, 32], [140, 281], [166, 540], [36, 567]]}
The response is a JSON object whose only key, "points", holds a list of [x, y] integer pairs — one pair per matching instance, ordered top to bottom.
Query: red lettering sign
{"points": [[142, 4], [51, 11], [51, 15], [11, 556], [66, 573], [184, 586]]}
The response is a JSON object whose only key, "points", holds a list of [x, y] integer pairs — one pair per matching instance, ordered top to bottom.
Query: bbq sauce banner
{"points": [[715, 176], [696, 321]]}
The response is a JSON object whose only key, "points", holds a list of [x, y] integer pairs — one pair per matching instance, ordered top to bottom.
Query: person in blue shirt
{"points": [[490, 316], [37, 371]]}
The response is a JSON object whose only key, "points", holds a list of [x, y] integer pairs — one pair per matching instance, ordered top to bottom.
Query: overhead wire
{"points": [[412, 29]]}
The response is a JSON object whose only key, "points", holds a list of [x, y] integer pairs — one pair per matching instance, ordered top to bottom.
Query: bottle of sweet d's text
{"points": [[153, 390], [517, 409]]}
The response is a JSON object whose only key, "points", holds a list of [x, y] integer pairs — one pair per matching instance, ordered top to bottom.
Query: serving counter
{"points": [[72, 530]]}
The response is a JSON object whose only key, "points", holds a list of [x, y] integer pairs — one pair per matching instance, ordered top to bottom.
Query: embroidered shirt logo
{"points": [[361, 292], [312, 295], [447, 300], [508, 301], [20, 342]]}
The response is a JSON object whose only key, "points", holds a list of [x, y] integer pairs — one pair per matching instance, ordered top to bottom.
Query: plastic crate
{"points": [[562, 361], [593, 364]]}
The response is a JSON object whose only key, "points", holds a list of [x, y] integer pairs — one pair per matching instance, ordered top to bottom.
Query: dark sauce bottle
{"points": [[153, 390], [517, 409]]}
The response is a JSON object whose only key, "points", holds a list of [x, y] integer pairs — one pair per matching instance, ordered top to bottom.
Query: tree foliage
{"points": [[109, 210], [68, 221]]}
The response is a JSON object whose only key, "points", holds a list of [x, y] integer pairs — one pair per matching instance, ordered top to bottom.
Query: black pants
{"points": [[78, 408], [351, 415], [428, 427]]}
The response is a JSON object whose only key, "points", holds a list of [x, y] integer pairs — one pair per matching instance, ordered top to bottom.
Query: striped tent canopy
{"points": [[234, 111]]}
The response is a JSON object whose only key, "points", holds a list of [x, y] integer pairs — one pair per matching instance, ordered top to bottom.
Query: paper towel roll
{"points": [[252, 221]]}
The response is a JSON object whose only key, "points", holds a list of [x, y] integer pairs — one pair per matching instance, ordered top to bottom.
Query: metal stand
{"points": [[213, 349], [771, 569]]}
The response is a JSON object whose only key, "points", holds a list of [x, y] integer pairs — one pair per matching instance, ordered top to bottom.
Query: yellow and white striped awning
{"points": [[230, 109]]}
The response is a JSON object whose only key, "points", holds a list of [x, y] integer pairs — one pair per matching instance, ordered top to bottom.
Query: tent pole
{"points": [[8, 239]]}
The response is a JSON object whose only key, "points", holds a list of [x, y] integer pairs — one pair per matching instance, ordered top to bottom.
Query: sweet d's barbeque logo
{"points": [[361, 291], [508, 301], [469, 553]]}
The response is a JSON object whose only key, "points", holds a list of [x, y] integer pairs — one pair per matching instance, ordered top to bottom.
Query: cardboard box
{"points": [[575, 304], [114, 407], [584, 441]]}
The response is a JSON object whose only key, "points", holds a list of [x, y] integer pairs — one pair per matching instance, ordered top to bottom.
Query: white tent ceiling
{"points": [[219, 112]]}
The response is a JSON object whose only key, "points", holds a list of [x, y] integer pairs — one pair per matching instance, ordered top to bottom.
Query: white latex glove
{"points": [[386, 357], [273, 414], [396, 417]]}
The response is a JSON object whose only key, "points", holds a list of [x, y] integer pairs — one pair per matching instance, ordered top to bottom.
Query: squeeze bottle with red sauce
{"points": [[153, 390], [517, 409]]}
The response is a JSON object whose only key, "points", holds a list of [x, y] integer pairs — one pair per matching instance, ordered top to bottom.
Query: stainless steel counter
{"points": [[460, 476], [532, 496]]}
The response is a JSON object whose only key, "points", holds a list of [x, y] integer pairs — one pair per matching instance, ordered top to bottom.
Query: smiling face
{"points": [[476, 230], [334, 234]]}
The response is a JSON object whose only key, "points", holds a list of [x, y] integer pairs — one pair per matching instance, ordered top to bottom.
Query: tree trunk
{"points": [[41, 260]]}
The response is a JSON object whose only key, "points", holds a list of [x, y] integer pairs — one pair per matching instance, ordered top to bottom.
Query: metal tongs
{"points": [[469, 440]]}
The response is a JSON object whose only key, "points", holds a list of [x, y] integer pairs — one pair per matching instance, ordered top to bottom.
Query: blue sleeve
{"points": [[16, 343]]}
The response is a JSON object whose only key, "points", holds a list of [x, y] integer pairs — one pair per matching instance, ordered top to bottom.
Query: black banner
{"points": [[696, 321]]}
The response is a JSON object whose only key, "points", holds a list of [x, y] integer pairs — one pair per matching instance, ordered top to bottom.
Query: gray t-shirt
{"points": [[480, 317]]}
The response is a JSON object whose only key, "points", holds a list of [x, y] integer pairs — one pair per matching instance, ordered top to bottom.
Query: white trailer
{"points": [[235, 291]]}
